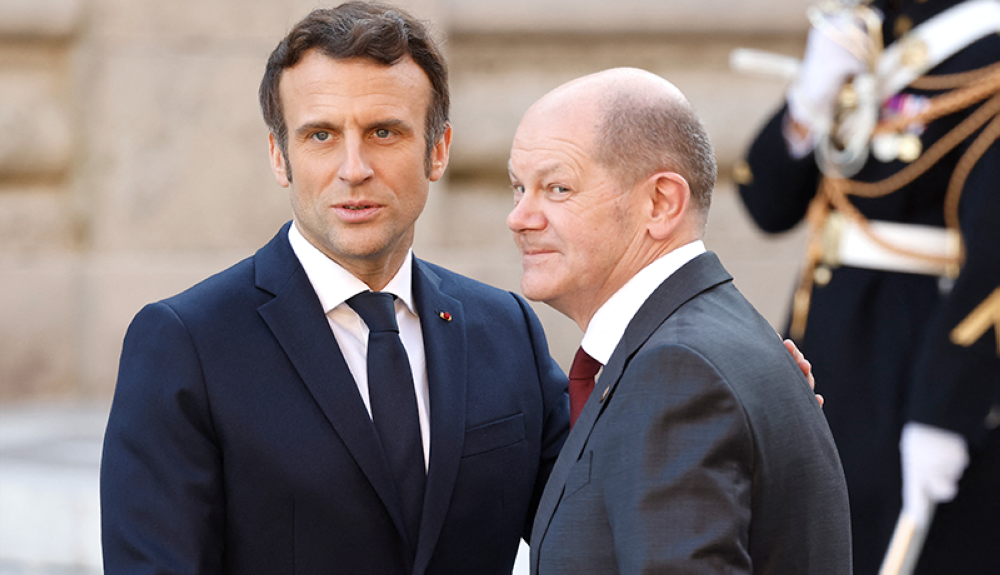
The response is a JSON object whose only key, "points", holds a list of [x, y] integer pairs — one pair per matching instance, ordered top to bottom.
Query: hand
{"points": [[826, 66], [804, 365], [933, 462]]}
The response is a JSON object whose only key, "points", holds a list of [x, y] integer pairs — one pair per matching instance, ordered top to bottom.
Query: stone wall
{"points": [[134, 159], [39, 227]]}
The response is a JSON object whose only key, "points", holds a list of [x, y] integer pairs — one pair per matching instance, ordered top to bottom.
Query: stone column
{"points": [[39, 228]]}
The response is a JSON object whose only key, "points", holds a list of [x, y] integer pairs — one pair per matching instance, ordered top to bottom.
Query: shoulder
{"points": [[980, 53], [449, 281], [249, 283], [223, 289], [470, 291], [216, 304], [489, 314], [721, 328]]}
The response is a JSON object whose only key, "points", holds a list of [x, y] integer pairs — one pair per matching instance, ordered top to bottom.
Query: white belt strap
{"points": [[846, 244]]}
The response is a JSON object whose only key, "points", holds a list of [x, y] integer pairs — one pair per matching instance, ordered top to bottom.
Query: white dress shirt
{"points": [[334, 286], [608, 325]]}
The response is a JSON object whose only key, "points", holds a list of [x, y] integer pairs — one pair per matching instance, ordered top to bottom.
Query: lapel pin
{"points": [[444, 315], [605, 394]]}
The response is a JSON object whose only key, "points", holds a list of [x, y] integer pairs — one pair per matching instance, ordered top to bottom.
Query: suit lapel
{"points": [[698, 275], [295, 317], [445, 354]]}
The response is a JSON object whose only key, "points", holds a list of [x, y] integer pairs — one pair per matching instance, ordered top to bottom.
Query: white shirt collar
{"points": [[334, 285], [608, 325]]}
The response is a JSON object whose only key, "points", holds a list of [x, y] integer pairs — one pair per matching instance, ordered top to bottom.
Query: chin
{"points": [[528, 290], [536, 292]]}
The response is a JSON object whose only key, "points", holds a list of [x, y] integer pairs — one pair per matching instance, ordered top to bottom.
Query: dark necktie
{"points": [[581, 382], [394, 404]]}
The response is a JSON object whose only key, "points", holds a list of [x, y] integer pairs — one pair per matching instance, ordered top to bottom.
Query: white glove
{"points": [[826, 65], [933, 461]]}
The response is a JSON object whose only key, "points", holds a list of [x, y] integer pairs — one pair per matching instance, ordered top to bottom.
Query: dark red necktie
{"points": [[581, 382]]}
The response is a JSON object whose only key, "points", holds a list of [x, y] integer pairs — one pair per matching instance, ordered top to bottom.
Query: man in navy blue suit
{"points": [[245, 434]]}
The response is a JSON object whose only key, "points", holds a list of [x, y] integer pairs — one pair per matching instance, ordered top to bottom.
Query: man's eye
{"points": [[382, 133], [321, 136], [560, 189], [518, 192]]}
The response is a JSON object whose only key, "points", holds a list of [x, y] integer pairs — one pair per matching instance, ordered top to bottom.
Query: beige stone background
{"points": [[133, 157]]}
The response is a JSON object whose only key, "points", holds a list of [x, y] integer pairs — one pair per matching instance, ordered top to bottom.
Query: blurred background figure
{"points": [[887, 145]]}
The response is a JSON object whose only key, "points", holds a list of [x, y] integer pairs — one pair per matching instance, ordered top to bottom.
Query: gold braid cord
{"points": [[967, 89]]}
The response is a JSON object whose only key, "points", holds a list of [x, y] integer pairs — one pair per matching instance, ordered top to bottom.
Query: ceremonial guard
{"points": [[888, 146]]}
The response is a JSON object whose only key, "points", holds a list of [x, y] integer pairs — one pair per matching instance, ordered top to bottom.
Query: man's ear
{"points": [[440, 154], [278, 164], [671, 197]]}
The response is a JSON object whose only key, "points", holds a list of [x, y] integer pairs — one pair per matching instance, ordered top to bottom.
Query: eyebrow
{"points": [[390, 123], [312, 126], [544, 171]]}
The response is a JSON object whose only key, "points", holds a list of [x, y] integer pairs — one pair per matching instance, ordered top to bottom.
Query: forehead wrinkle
{"points": [[317, 83], [557, 160], [549, 168], [546, 169]]}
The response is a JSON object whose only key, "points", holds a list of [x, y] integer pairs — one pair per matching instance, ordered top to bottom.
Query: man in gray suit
{"points": [[702, 448]]}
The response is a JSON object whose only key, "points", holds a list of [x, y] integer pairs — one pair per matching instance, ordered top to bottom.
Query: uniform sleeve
{"points": [[778, 188], [955, 385], [555, 398], [677, 477], [161, 488]]}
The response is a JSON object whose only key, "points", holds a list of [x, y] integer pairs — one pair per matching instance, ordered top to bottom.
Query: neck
{"points": [[375, 270], [378, 275], [581, 308]]}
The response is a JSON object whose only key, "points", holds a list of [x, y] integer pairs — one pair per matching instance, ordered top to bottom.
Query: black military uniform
{"points": [[883, 344]]}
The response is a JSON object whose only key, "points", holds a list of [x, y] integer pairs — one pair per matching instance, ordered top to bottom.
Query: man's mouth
{"points": [[358, 212], [535, 251]]}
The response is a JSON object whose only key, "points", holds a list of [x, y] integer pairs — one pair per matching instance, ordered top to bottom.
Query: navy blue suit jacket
{"points": [[238, 441]]}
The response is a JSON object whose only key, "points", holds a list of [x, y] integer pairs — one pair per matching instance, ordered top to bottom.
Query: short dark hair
{"points": [[370, 30], [639, 136]]}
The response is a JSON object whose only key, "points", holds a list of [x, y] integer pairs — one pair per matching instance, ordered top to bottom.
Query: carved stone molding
{"points": [[39, 18], [35, 115], [37, 128]]}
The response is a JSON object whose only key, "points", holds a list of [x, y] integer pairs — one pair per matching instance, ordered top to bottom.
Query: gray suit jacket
{"points": [[701, 450]]}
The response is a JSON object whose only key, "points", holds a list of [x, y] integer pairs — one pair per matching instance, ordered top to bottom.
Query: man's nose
{"points": [[355, 167], [527, 214]]}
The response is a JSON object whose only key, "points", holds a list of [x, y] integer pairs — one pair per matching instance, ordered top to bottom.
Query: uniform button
{"points": [[903, 25], [742, 173], [993, 418]]}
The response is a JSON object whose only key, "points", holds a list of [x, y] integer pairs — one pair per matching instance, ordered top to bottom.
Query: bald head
{"points": [[595, 88], [639, 123]]}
